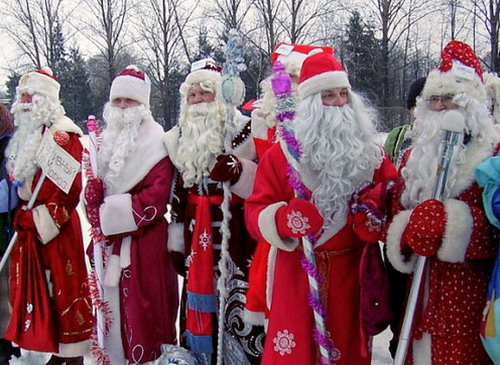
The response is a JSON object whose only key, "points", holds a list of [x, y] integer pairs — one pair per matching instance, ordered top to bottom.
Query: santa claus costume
{"points": [[264, 135], [196, 147], [341, 163], [454, 234], [48, 278], [140, 283]]}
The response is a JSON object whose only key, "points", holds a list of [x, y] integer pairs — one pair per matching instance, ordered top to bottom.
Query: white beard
{"points": [[30, 118], [118, 140], [201, 140], [338, 150], [420, 170]]}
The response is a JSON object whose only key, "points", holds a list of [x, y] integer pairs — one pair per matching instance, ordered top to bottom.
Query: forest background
{"points": [[384, 44]]}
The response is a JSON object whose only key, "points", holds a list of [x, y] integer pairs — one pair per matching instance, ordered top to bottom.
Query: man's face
{"points": [[197, 95], [335, 97], [26, 98], [124, 103], [438, 103]]}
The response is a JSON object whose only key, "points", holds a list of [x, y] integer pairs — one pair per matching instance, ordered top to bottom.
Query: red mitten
{"points": [[227, 168], [94, 192], [297, 219], [24, 221], [426, 227], [367, 228]]}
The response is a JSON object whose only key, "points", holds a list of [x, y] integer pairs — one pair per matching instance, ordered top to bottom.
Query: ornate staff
{"points": [[232, 92], [285, 113], [452, 126], [103, 312]]}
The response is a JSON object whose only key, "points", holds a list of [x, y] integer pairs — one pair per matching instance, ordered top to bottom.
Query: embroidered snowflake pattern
{"points": [[297, 222], [205, 240], [27, 325], [284, 343]]}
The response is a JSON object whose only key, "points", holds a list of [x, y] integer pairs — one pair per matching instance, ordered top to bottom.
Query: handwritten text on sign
{"points": [[57, 164]]}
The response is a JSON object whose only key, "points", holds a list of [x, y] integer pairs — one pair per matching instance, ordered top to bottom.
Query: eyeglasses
{"points": [[444, 99]]}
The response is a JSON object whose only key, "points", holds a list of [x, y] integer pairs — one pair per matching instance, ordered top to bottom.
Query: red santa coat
{"points": [[56, 252], [145, 302], [290, 331], [446, 331]]}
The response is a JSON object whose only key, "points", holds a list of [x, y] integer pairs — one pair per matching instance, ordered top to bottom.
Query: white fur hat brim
{"points": [[197, 77], [323, 81], [38, 83], [447, 83], [130, 87]]}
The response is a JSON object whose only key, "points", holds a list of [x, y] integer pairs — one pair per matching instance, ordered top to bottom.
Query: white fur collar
{"points": [[65, 124], [148, 152], [476, 152]]}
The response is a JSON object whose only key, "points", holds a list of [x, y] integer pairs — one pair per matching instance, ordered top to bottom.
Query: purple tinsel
{"points": [[285, 115], [292, 142], [296, 183], [310, 269]]}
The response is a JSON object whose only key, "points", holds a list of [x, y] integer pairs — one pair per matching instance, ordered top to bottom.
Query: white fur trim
{"points": [[197, 77], [323, 81], [442, 83], [41, 84], [130, 87], [66, 125], [259, 125], [171, 142], [149, 150], [476, 152], [244, 186], [117, 214], [45, 224], [267, 226], [458, 230], [394, 234], [176, 237], [125, 252], [271, 265], [113, 272], [253, 318], [74, 349], [422, 350]]}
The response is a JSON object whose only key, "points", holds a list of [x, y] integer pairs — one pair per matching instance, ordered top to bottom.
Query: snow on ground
{"points": [[381, 354]]}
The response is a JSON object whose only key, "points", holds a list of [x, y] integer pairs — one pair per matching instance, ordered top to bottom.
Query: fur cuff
{"points": [[244, 186], [117, 214], [45, 224], [268, 229], [458, 230], [394, 235], [176, 237], [113, 272], [253, 318], [74, 349], [422, 350]]}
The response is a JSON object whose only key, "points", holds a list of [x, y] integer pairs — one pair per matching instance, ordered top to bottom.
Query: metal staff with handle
{"points": [[452, 126], [31, 202]]}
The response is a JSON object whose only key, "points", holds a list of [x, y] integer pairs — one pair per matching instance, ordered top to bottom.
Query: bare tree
{"points": [[488, 13], [35, 25], [107, 25], [161, 29]]}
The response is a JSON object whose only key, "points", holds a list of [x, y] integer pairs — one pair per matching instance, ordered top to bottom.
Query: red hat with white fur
{"points": [[292, 56], [204, 70], [321, 71], [460, 72], [41, 82], [133, 84]]}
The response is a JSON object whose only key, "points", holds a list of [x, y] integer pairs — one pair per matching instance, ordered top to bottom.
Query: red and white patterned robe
{"points": [[447, 330]]}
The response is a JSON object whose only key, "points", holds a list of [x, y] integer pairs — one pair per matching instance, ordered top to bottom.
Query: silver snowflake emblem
{"points": [[297, 222], [205, 240], [284, 343]]}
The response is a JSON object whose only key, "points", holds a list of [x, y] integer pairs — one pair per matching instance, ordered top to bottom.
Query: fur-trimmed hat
{"points": [[292, 56], [201, 71], [321, 71], [460, 72], [41, 82], [133, 84]]}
